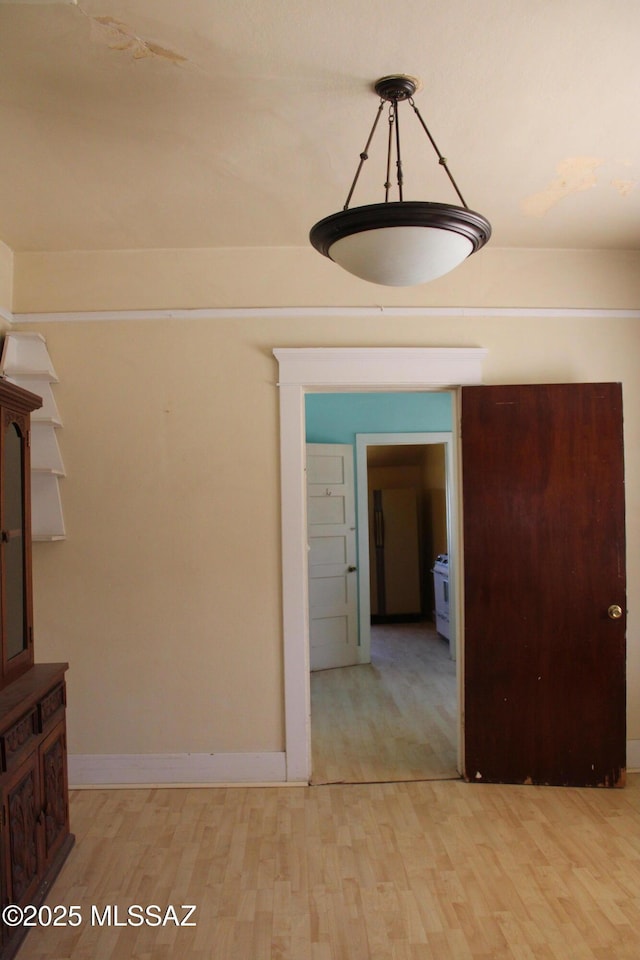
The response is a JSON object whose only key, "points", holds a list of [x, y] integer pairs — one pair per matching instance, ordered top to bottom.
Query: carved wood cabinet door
{"points": [[55, 807], [22, 830]]}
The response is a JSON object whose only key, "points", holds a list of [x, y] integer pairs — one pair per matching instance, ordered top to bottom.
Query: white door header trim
{"points": [[380, 367]]}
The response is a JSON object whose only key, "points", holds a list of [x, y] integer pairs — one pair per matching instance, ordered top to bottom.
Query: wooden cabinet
{"points": [[16, 619], [34, 827]]}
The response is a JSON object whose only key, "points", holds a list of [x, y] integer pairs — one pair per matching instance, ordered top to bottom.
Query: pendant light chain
{"points": [[394, 125], [364, 156], [441, 160], [399, 174], [387, 184]]}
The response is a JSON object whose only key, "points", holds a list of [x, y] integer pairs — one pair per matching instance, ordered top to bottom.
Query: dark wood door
{"points": [[544, 561]]}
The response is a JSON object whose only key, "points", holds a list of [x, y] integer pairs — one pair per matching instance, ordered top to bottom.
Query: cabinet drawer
{"points": [[51, 705], [18, 736]]}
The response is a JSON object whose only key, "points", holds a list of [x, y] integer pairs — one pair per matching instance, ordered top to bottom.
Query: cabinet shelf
{"points": [[26, 355], [25, 361], [45, 452], [46, 507]]}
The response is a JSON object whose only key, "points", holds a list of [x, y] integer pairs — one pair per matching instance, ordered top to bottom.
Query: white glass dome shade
{"points": [[402, 243]]}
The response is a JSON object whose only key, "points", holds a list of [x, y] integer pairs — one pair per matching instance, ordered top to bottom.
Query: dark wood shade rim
{"points": [[406, 213]]}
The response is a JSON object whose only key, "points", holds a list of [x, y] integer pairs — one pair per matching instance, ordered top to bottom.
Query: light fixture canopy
{"points": [[403, 242]]}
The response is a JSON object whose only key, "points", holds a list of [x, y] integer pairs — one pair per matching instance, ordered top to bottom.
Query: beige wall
{"points": [[174, 279], [6, 281], [434, 479], [165, 597]]}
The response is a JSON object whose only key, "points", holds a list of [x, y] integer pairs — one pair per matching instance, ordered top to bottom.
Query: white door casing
{"points": [[343, 369], [331, 525]]}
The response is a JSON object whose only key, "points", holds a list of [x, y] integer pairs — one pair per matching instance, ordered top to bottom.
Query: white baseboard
{"points": [[633, 756], [176, 769], [202, 769]]}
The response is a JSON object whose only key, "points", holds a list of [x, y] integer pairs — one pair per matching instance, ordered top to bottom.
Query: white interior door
{"points": [[331, 530]]}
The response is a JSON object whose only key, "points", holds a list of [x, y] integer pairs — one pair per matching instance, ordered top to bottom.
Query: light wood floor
{"points": [[393, 719], [442, 870]]}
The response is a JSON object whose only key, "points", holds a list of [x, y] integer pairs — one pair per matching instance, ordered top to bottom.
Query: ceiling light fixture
{"points": [[404, 242]]}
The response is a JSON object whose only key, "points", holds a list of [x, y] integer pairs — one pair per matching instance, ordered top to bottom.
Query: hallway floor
{"points": [[394, 719]]}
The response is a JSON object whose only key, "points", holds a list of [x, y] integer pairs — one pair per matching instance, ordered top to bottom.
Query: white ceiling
{"points": [[130, 124]]}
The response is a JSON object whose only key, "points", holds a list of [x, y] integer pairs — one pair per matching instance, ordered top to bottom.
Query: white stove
{"points": [[441, 591]]}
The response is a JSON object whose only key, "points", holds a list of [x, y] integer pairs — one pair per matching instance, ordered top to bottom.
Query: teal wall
{"points": [[338, 417]]}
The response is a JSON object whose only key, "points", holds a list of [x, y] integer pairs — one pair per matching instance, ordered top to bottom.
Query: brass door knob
{"points": [[614, 611]]}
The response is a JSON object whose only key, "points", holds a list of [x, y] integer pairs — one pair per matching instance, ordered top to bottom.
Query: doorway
{"points": [[347, 369], [444, 513], [394, 717]]}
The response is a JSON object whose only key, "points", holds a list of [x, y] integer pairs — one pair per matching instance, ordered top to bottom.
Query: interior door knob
{"points": [[351, 569], [615, 611]]}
